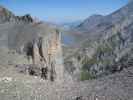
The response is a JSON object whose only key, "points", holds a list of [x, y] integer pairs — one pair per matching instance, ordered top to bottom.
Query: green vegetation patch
{"points": [[85, 75]]}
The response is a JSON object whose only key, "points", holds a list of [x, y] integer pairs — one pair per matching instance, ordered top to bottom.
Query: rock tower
{"points": [[46, 54]]}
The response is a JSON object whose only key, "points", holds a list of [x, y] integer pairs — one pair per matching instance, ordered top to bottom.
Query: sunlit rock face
{"points": [[44, 51], [48, 53]]}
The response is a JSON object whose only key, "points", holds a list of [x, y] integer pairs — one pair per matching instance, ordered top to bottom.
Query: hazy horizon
{"points": [[62, 10]]}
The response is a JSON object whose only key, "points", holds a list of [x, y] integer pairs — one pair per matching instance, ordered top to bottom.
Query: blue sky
{"points": [[62, 10]]}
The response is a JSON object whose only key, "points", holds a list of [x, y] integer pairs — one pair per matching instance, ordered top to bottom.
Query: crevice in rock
{"points": [[40, 48], [29, 50]]}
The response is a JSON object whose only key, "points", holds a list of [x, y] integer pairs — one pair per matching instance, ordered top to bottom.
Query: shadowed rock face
{"points": [[25, 18]]}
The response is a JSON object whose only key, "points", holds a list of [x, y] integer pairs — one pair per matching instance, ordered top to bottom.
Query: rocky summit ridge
{"points": [[8, 16]]}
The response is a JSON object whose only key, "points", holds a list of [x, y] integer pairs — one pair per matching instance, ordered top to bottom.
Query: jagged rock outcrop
{"points": [[5, 15], [8, 16], [36, 43]]}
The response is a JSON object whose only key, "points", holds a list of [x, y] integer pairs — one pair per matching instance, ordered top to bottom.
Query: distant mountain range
{"points": [[70, 25], [96, 25], [102, 44]]}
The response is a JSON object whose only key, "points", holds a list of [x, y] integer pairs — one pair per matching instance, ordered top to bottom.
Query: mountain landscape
{"points": [[107, 41], [83, 60]]}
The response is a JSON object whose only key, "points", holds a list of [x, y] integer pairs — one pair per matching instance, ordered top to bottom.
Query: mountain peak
{"points": [[4, 11], [5, 15]]}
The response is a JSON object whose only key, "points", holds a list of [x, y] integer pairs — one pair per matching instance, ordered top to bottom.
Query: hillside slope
{"points": [[104, 48]]}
